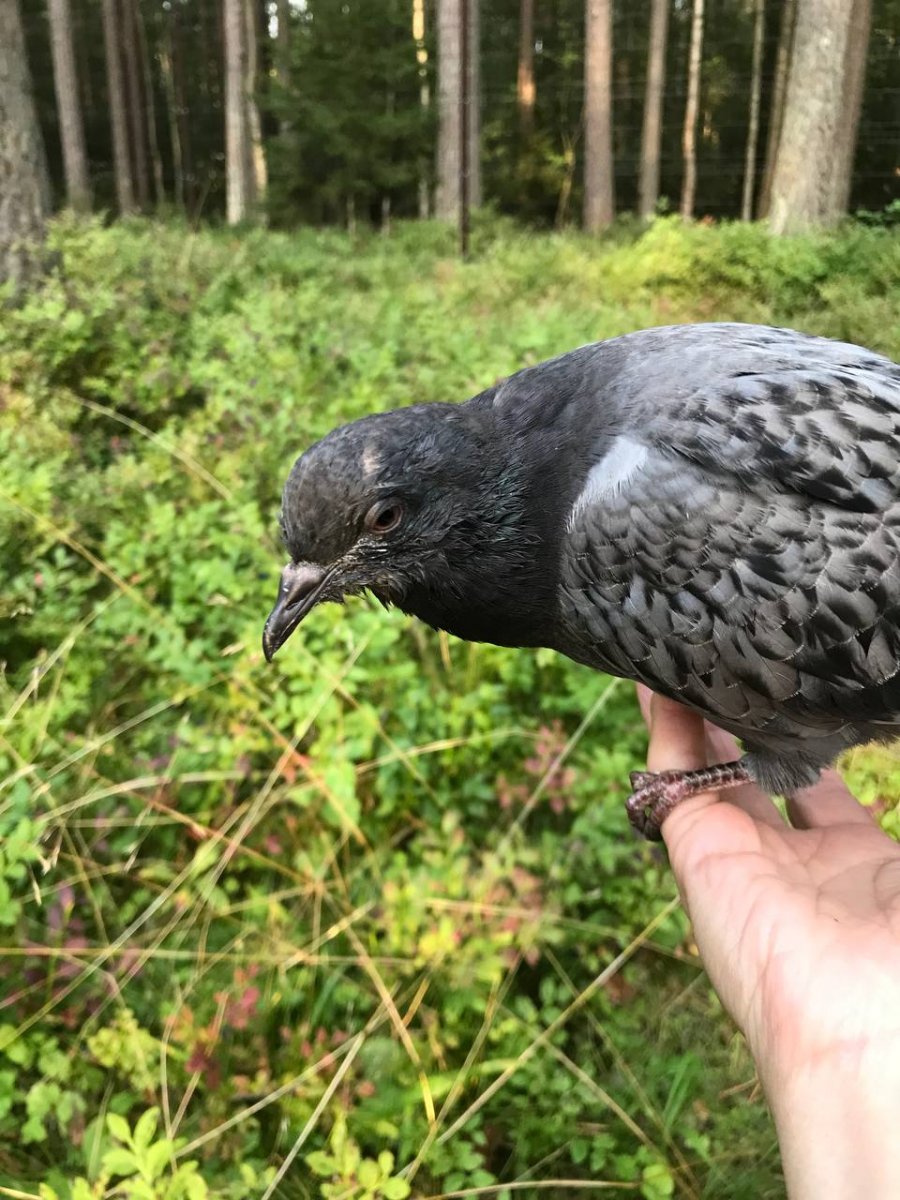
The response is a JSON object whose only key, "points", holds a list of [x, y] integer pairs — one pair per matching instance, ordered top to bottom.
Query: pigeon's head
{"points": [[417, 506]]}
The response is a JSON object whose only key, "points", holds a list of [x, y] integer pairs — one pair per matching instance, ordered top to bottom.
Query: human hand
{"points": [[798, 927]]}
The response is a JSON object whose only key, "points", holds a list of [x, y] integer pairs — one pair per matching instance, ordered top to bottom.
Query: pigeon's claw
{"points": [[656, 795]]}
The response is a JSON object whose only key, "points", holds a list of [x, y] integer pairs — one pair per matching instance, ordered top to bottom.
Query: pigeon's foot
{"points": [[655, 796]]}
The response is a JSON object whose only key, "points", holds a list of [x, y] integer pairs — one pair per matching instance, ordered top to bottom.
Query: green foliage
{"points": [[353, 133], [215, 875], [351, 1175]]}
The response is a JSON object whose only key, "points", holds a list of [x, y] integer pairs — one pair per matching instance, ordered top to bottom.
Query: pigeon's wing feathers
{"points": [[830, 434], [748, 562]]}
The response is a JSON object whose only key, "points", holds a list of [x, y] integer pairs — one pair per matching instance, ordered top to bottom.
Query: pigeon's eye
{"points": [[384, 516]]}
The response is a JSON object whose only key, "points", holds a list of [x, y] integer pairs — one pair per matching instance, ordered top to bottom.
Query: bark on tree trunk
{"points": [[759, 29], [418, 32], [166, 67], [854, 86], [525, 91], [68, 106], [474, 107], [692, 109], [117, 111], [136, 113], [776, 116], [449, 133], [651, 136], [237, 155], [257, 173], [808, 185], [159, 191], [599, 202], [22, 207]]}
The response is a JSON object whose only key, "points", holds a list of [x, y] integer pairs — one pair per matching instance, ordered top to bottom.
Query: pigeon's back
{"points": [[735, 542]]}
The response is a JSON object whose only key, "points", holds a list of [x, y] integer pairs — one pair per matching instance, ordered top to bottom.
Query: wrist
{"points": [[837, 1124]]}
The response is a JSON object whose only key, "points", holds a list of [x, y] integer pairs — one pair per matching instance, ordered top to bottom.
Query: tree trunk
{"points": [[759, 29], [418, 32], [166, 64], [854, 86], [779, 88], [525, 92], [68, 105], [692, 109], [117, 110], [449, 111], [136, 114], [473, 114], [651, 136], [237, 156], [257, 171], [806, 187], [159, 190], [599, 203], [22, 207]]}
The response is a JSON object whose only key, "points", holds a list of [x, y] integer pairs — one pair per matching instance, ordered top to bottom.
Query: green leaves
{"points": [[213, 872], [352, 1176]]}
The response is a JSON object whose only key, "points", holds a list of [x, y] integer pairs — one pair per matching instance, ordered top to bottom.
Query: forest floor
{"points": [[368, 922]]}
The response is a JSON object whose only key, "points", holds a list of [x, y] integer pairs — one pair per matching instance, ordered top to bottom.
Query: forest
{"points": [[339, 111], [368, 922]]}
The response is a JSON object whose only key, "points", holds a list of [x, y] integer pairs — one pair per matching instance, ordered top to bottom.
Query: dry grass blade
{"points": [[185, 459], [596, 708], [493, 1006], [541, 1040], [355, 1047], [624, 1067]]}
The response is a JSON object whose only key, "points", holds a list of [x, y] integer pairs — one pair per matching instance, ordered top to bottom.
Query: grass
{"points": [[369, 922]]}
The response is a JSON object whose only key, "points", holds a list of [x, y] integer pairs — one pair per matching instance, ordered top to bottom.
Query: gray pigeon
{"points": [[713, 510]]}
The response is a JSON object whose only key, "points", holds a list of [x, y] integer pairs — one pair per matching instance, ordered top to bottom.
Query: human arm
{"points": [[799, 929]]}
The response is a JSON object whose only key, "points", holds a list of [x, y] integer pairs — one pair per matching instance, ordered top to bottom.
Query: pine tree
{"points": [[68, 105], [691, 112], [118, 114], [651, 136], [809, 184], [599, 202]]}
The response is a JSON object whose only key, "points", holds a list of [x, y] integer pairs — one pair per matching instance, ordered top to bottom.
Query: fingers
{"points": [[677, 737], [680, 740], [828, 802]]}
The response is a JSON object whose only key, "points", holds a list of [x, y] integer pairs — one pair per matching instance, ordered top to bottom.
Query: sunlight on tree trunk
{"points": [[759, 30], [418, 33], [166, 56], [854, 85], [525, 91], [68, 106], [691, 112], [776, 114], [449, 131], [651, 135], [237, 155], [257, 174], [808, 184], [599, 203]]}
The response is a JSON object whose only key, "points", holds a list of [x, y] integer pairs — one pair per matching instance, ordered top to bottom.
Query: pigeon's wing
{"points": [[741, 551]]}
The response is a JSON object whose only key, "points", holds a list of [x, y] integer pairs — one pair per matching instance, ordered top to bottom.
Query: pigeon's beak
{"points": [[299, 591]]}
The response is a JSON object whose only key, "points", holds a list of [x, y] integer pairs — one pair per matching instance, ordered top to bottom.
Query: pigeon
{"points": [[712, 510]]}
